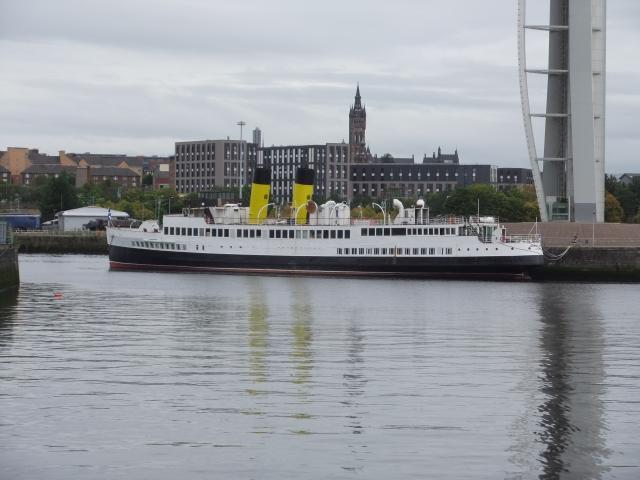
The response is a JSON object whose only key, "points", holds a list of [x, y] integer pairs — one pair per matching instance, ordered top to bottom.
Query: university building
{"points": [[343, 170]]}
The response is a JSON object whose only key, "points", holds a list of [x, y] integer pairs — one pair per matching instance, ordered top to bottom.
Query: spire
{"points": [[358, 104]]}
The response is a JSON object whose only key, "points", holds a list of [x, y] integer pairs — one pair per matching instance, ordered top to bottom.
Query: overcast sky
{"points": [[134, 76]]}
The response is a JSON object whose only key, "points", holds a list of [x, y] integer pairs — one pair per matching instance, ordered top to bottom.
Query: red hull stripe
{"points": [[332, 273]]}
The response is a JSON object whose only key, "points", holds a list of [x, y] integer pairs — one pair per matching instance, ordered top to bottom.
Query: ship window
{"points": [[166, 230], [172, 231], [184, 231], [379, 231], [387, 231], [398, 231], [442, 231], [189, 232], [195, 232], [202, 232], [207, 232], [214, 232], [226, 232], [363, 232], [372, 232], [238, 233], [245, 233], [259, 233], [278, 233], [340, 233], [252, 234], [272, 234], [305, 234], [312, 234], [318, 234], [325, 234], [333, 234], [347, 234], [197, 247], [339, 251], [354, 251], [361, 251], [369, 251], [376, 251], [384, 251], [398, 251], [407, 251], [415, 251], [423, 251], [432, 251], [449, 251]]}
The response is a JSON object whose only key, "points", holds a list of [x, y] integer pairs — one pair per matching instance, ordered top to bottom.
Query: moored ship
{"points": [[323, 240]]}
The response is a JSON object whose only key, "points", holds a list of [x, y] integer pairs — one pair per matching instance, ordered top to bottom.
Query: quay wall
{"points": [[45, 242], [599, 252], [606, 264], [9, 273]]}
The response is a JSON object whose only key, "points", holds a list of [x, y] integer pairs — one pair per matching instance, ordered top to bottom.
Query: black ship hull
{"points": [[122, 258]]}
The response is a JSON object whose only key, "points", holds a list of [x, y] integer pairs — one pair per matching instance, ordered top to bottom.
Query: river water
{"points": [[132, 375]]}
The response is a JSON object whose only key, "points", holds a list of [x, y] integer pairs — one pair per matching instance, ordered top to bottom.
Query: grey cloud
{"points": [[128, 76]]}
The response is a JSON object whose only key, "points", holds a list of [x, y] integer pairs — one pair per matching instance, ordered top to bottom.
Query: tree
{"points": [[147, 180], [58, 194], [613, 212]]}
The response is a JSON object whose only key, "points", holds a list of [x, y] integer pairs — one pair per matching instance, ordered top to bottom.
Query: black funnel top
{"points": [[262, 176], [305, 176]]}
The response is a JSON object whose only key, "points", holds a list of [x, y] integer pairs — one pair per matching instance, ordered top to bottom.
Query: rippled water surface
{"points": [[122, 375]]}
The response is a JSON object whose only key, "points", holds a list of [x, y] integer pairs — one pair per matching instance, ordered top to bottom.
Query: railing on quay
{"points": [[59, 233], [522, 238]]}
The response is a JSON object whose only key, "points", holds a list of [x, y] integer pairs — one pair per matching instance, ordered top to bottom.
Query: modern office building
{"points": [[257, 137], [330, 162], [209, 164], [570, 185]]}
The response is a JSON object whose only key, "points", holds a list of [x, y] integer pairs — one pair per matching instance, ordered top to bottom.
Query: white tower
{"points": [[571, 183]]}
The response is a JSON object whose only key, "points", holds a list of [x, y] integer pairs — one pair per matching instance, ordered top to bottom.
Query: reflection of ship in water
{"points": [[258, 333], [302, 336], [354, 379], [571, 424]]}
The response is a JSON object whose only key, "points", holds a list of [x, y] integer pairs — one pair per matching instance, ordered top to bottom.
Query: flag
{"points": [[109, 217]]}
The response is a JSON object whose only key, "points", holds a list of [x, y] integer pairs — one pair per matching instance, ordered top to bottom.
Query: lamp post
{"points": [[241, 124], [593, 231]]}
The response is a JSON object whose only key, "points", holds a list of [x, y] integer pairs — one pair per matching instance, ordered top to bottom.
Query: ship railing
{"points": [[483, 219], [532, 238]]}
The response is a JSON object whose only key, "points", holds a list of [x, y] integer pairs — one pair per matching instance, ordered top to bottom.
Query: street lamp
{"points": [[241, 124], [593, 231]]}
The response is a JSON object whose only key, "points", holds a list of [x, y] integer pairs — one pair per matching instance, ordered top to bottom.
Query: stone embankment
{"points": [[54, 242], [585, 251]]}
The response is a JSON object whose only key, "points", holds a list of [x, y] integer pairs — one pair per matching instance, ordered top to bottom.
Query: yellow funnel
{"points": [[260, 190], [302, 193]]}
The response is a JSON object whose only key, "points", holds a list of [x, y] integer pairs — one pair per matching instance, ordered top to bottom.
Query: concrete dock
{"points": [[586, 251]]}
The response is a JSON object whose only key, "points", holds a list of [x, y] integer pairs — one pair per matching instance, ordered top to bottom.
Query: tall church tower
{"points": [[357, 127]]}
